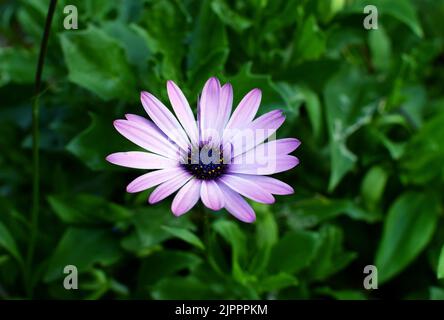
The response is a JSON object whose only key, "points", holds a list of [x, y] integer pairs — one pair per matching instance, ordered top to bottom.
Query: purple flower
{"points": [[217, 158]]}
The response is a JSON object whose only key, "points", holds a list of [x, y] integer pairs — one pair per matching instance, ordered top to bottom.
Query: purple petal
{"points": [[226, 103], [209, 108], [246, 110], [183, 111], [164, 119], [142, 120], [258, 131], [146, 137], [272, 149], [141, 160], [265, 167], [152, 179], [269, 184], [169, 187], [247, 188], [211, 195], [186, 198], [236, 205]]}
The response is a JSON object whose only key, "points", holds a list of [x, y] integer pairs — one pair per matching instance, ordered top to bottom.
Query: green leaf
{"points": [[402, 10], [230, 17], [163, 18], [310, 42], [208, 46], [380, 48], [17, 66], [107, 75], [350, 103], [96, 142], [427, 149], [372, 188], [87, 209], [309, 212], [408, 228], [148, 231], [186, 235], [234, 236], [266, 237], [8, 243], [83, 248], [294, 252], [330, 255], [163, 264], [440, 269], [277, 282], [177, 288], [436, 293]]}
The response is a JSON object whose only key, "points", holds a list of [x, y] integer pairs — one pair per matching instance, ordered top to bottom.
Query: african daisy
{"points": [[218, 158]]}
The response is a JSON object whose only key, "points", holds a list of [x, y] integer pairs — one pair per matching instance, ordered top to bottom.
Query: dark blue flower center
{"points": [[205, 162]]}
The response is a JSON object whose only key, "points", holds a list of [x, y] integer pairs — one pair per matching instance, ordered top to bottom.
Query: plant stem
{"points": [[35, 149]]}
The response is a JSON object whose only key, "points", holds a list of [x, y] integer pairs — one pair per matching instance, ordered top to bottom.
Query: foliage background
{"points": [[368, 107]]}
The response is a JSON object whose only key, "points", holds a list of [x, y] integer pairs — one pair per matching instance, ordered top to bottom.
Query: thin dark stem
{"points": [[35, 149]]}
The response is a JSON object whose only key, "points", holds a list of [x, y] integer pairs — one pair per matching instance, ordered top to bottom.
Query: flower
{"points": [[218, 159]]}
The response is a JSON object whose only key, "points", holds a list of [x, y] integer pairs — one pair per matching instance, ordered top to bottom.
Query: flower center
{"points": [[205, 162]]}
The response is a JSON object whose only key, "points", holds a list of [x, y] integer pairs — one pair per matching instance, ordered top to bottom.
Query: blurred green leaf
{"points": [[229, 16], [310, 42], [208, 46], [380, 48], [17, 65], [107, 75], [349, 106], [96, 142], [427, 149], [373, 186], [87, 209], [408, 228], [148, 231], [186, 235], [235, 237], [7, 242], [83, 248], [294, 252], [330, 255], [163, 264], [440, 269], [277, 282], [188, 288], [436, 293]]}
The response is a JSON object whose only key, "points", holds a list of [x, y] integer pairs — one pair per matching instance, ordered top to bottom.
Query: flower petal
{"points": [[226, 103], [209, 108], [246, 110], [183, 111], [164, 119], [142, 120], [256, 132], [147, 137], [271, 149], [140, 160], [265, 167], [152, 179], [269, 184], [169, 187], [247, 188], [211, 195], [187, 197], [236, 205]]}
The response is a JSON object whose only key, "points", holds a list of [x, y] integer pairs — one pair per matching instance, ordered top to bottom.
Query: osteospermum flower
{"points": [[219, 158]]}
